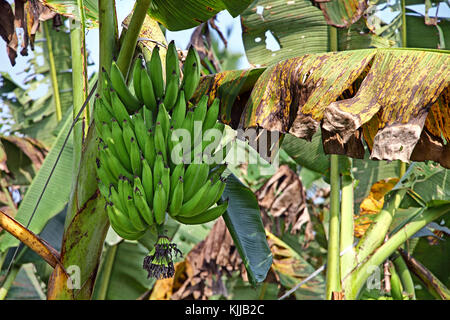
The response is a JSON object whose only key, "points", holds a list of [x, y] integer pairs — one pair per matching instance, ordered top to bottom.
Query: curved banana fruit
{"points": [[191, 77], [118, 83], [204, 217]]}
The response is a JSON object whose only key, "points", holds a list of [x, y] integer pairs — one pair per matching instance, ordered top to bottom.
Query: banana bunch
{"points": [[143, 173]]}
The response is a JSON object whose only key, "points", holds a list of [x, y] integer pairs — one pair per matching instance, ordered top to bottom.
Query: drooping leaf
{"points": [[176, 15], [277, 30], [228, 86], [388, 90], [291, 96], [57, 191], [243, 220]]}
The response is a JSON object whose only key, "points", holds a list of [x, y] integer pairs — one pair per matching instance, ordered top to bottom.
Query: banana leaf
{"points": [[277, 30], [57, 191], [243, 220]]}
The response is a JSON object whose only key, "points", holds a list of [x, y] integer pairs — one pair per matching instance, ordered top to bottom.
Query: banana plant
{"points": [[339, 100]]}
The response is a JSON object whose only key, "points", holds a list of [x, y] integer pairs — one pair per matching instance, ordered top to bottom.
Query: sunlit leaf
{"points": [[277, 30]]}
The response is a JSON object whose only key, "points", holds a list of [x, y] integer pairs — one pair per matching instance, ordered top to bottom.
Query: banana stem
{"points": [[108, 36], [404, 39], [130, 40], [53, 75], [79, 85], [377, 231], [389, 247], [347, 260], [109, 262], [333, 274], [405, 277], [8, 282]]}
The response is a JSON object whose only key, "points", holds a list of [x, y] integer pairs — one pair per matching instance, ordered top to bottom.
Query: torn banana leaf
{"points": [[280, 29]]}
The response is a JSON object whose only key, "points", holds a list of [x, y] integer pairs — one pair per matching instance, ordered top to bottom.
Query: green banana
{"points": [[172, 62], [154, 68], [137, 69], [172, 76], [191, 77], [118, 83], [106, 86], [148, 93], [171, 94], [118, 109], [201, 109], [179, 111], [101, 112], [211, 115], [148, 118], [163, 119], [188, 124], [140, 129], [128, 135], [117, 136], [160, 142], [149, 148], [135, 157], [114, 164], [158, 170], [216, 172], [177, 173], [104, 174], [165, 179], [194, 179], [147, 182], [125, 189], [221, 189], [176, 198], [208, 199], [159, 203], [141, 204], [188, 206], [206, 216], [135, 218], [121, 225]]}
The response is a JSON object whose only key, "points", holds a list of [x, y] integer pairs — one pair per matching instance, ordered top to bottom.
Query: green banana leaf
{"points": [[173, 14], [179, 15], [297, 27], [420, 35], [429, 183], [57, 191], [243, 220], [432, 254]]}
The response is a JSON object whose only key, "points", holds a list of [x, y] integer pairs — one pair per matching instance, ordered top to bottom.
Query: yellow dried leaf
{"points": [[372, 205]]}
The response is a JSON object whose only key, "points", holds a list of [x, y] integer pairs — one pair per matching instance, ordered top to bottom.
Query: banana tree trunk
{"points": [[86, 222]]}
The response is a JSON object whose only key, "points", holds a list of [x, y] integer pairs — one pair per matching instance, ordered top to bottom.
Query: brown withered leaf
{"points": [[26, 16], [7, 30], [201, 40], [283, 196], [372, 205]]}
